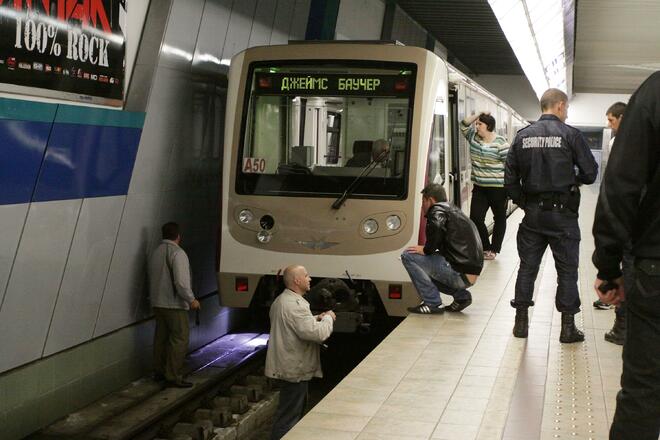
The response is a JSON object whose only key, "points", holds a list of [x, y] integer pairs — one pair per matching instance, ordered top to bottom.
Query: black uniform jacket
{"points": [[545, 156], [629, 201], [453, 234]]}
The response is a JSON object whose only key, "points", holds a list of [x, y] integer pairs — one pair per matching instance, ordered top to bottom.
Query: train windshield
{"points": [[309, 130]]}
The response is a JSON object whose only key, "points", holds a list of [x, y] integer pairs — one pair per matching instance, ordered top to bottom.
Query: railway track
{"points": [[230, 400]]}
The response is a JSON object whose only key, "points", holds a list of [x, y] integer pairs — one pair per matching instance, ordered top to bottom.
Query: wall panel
{"points": [[299, 20], [360, 20], [282, 21], [262, 26], [240, 27], [211, 36], [179, 41], [163, 120], [12, 219], [85, 274], [35, 281], [125, 285]]}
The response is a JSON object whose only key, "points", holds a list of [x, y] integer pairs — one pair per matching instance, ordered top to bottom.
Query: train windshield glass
{"points": [[309, 130]]}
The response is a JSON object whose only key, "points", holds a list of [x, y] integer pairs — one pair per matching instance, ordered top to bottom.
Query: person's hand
{"points": [[416, 250], [612, 296], [195, 305], [331, 314]]}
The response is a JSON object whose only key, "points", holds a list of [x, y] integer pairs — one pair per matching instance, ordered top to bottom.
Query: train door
{"points": [[454, 193]]}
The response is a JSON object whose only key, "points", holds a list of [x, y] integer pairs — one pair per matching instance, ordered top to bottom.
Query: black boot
{"points": [[521, 326], [569, 332], [618, 332]]}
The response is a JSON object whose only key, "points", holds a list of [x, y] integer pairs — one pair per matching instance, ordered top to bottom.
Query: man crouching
{"points": [[450, 261]]}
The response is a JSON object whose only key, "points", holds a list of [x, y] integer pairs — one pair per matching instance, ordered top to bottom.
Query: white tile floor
{"points": [[465, 377]]}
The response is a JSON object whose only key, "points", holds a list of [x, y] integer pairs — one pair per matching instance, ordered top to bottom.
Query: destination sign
{"points": [[332, 84]]}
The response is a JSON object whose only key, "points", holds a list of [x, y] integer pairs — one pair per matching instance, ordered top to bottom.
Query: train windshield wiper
{"points": [[365, 172]]}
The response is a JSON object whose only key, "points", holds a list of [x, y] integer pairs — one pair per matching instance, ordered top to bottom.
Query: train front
{"points": [[321, 169]]}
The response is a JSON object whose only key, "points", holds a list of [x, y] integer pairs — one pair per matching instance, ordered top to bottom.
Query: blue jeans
{"points": [[432, 274], [293, 399]]}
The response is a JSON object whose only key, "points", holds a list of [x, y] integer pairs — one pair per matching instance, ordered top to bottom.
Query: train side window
{"points": [[435, 163]]}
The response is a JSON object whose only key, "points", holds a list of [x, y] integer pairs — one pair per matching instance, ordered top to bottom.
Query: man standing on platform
{"points": [[545, 165], [627, 213], [171, 298], [617, 334], [293, 357]]}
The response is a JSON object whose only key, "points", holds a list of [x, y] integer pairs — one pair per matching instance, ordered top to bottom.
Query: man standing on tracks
{"points": [[545, 165], [627, 213], [450, 261], [171, 298], [293, 356]]}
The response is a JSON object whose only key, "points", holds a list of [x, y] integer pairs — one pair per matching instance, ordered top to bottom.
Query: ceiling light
{"points": [[535, 31]]}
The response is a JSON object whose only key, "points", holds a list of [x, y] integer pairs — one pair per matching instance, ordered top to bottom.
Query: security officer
{"points": [[545, 165], [627, 211]]}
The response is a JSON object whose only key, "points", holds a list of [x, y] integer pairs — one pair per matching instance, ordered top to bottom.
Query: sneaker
{"points": [[598, 304], [457, 306], [424, 309]]}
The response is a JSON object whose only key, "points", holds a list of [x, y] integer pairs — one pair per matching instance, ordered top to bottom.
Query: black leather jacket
{"points": [[544, 157], [629, 200], [454, 236]]}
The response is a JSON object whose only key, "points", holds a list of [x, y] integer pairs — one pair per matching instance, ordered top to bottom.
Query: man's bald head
{"points": [[296, 278]]}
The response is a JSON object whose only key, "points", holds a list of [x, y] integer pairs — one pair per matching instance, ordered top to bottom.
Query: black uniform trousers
{"points": [[494, 198], [560, 230], [291, 407], [637, 413]]}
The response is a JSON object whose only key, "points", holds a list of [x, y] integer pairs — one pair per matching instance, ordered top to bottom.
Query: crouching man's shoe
{"points": [[457, 306], [425, 309], [521, 327], [569, 332]]}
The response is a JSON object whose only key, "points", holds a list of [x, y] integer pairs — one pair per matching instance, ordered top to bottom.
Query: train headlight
{"points": [[245, 216], [393, 222], [370, 226], [264, 236]]}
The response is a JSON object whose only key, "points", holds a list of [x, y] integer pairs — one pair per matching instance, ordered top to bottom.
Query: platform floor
{"points": [[464, 376]]}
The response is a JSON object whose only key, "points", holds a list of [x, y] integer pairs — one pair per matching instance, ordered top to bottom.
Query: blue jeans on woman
{"points": [[432, 274]]}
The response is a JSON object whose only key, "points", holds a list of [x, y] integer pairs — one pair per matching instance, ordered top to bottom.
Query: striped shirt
{"points": [[488, 159]]}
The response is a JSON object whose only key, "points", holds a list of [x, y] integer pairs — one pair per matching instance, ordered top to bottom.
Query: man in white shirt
{"points": [[171, 297], [293, 356]]}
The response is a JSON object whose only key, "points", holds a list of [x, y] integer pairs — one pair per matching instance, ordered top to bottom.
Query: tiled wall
{"points": [[87, 200]]}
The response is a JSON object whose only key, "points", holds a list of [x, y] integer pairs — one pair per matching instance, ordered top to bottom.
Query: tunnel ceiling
{"points": [[469, 30]]}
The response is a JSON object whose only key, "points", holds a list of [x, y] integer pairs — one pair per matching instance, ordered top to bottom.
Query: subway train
{"points": [[327, 147]]}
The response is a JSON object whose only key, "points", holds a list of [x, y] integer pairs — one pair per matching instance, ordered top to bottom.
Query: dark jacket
{"points": [[543, 159], [629, 200], [453, 234]]}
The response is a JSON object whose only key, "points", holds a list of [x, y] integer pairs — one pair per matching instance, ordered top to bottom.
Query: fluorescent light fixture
{"points": [[535, 31]]}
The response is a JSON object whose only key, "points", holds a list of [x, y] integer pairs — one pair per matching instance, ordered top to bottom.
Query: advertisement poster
{"points": [[69, 49]]}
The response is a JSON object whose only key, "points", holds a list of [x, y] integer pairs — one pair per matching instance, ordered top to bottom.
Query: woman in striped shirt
{"points": [[488, 154]]}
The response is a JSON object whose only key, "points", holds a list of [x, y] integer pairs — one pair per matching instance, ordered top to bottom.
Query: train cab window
{"points": [[310, 130]]}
